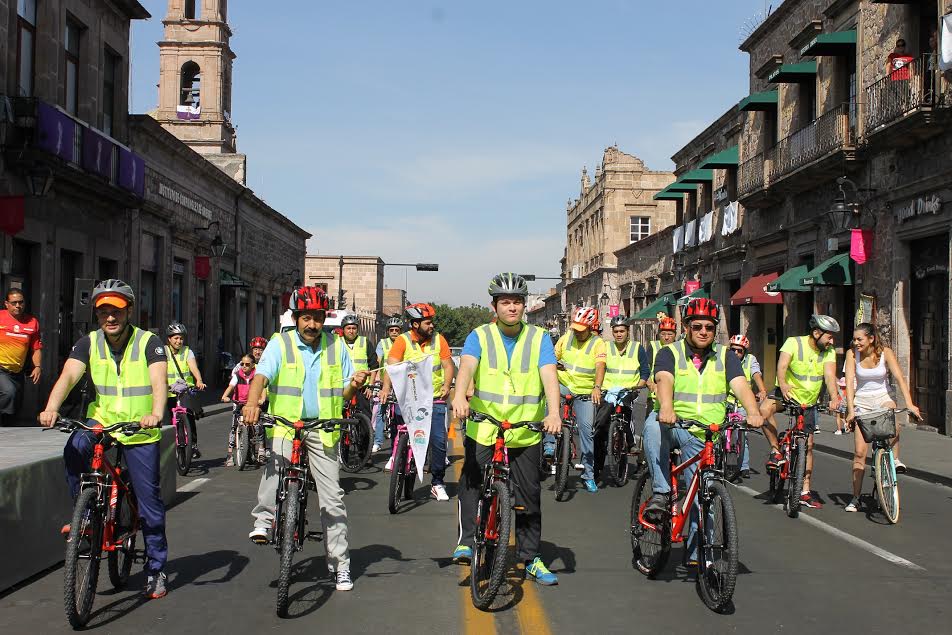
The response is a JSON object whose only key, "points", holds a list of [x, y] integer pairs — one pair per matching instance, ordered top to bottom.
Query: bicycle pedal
{"points": [[519, 508], [316, 536], [139, 556]]}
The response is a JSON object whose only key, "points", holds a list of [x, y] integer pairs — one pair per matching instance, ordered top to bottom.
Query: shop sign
{"points": [[721, 194], [180, 198], [919, 207], [928, 270], [690, 286], [612, 310]]}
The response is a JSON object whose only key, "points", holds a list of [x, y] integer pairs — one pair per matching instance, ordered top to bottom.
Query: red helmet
{"points": [[308, 299], [701, 308], [421, 311], [586, 316], [667, 324], [740, 340], [258, 342]]}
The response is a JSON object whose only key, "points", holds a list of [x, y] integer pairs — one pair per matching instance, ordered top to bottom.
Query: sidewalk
{"points": [[928, 455]]}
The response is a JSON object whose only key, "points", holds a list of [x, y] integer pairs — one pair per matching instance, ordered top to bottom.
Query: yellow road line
{"points": [[529, 612]]}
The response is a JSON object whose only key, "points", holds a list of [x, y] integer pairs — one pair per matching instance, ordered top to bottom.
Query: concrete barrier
{"points": [[35, 502]]}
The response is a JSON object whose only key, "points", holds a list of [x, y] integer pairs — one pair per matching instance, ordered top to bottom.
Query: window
{"points": [[193, 9], [26, 46], [71, 49], [110, 81], [191, 85], [707, 198], [640, 228]]}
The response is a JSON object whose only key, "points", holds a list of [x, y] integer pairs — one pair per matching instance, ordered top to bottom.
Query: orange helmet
{"points": [[701, 308], [421, 311], [586, 316], [667, 324], [740, 340]]}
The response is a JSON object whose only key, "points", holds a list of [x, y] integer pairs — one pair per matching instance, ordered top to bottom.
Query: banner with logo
{"points": [[413, 387]]}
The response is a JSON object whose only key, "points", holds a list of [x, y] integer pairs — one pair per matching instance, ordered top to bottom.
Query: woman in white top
{"points": [[868, 367]]}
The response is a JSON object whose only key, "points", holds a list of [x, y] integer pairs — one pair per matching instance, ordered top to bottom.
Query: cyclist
{"points": [[394, 328], [422, 340], [739, 345], [361, 354], [806, 363], [581, 365], [127, 366], [626, 367], [182, 369], [246, 372], [309, 376], [693, 376], [517, 387]]}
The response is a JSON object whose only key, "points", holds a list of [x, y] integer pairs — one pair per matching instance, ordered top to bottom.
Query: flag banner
{"points": [[945, 45], [413, 386]]}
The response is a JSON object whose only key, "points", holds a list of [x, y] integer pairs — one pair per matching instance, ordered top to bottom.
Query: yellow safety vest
{"points": [[387, 344], [358, 353], [414, 353], [579, 363], [622, 368], [172, 373], [805, 373], [509, 389], [286, 391], [123, 396], [699, 396]]}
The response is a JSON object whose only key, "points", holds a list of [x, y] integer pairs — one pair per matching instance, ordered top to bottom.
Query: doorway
{"points": [[930, 327]]}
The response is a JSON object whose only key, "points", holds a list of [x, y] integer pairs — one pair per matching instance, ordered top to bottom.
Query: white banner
{"points": [[945, 44], [413, 388]]}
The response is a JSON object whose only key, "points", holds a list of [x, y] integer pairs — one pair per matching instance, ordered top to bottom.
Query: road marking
{"points": [[193, 485], [842, 535], [529, 612]]}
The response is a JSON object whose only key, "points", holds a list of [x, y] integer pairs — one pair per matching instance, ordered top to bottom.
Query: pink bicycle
{"points": [[183, 422], [403, 466]]}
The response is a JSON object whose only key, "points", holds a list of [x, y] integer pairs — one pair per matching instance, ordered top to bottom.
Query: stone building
{"points": [[616, 209], [362, 283], [394, 301]]}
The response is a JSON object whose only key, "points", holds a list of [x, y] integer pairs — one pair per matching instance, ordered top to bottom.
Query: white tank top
{"points": [[871, 381]]}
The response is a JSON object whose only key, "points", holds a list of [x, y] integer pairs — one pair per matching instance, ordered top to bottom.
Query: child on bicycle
{"points": [[242, 378]]}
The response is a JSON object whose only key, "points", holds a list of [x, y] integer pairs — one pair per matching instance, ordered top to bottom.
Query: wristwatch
{"points": [[598, 386]]}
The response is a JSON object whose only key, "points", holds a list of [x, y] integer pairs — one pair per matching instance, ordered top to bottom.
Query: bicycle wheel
{"points": [[355, 444], [183, 445], [242, 446], [617, 454], [564, 457], [731, 457], [798, 468], [396, 473], [409, 478], [887, 488], [288, 544], [718, 547], [650, 548], [83, 551], [491, 552], [121, 558]]}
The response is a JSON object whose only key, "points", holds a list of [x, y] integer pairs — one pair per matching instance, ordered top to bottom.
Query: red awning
{"points": [[754, 291]]}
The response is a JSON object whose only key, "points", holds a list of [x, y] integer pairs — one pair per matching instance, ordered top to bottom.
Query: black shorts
{"points": [[809, 414]]}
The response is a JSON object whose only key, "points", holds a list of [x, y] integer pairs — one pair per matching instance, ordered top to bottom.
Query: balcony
{"points": [[905, 105], [812, 150], [750, 181]]}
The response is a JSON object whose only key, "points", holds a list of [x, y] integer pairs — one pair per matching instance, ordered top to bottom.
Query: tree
{"points": [[455, 323]]}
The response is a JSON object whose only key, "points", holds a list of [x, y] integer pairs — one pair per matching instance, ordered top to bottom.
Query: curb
{"points": [[921, 475]]}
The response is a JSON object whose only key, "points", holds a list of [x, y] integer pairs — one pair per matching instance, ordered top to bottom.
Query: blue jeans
{"points": [[585, 419], [378, 424], [659, 440], [438, 443], [142, 462]]}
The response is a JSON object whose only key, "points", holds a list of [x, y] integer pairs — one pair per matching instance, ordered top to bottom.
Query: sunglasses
{"points": [[16, 302], [707, 328], [738, 351]]}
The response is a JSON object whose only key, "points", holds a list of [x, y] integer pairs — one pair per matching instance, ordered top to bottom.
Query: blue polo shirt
{"points": [[271, 362]]}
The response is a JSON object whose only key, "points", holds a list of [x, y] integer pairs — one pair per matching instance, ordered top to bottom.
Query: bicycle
{"points": [[183, 419], [878, 428], [356, 440], [734, 445], [618, 450], [566, 451], [245, 452], [793, 467], [403, 468], [290, 508], [493, 517], [105, 519], [717, 522]]}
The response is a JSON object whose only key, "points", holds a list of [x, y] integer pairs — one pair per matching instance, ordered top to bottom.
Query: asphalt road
{"points": [[840, 572]]}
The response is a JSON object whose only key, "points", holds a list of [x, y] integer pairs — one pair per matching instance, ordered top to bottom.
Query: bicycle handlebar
{"points": [[685, 424], [69, 425], [328, 425], [535, 426]]}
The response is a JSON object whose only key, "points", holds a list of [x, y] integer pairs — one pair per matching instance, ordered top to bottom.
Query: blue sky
{"points": [[454, 132]]}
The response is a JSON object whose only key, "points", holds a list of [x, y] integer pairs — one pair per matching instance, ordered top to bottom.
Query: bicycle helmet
{"points": [[508, 284], [114, 292], [308, 299], [701, 308], [421, 311], [585, 316], [348, 320], [618, 320], [395, 322], [824, 323], [667, 324], [176, 328], [740, 340], [258, 342]]}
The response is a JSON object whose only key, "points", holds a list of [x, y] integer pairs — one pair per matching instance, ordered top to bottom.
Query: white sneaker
{"points": [[838, 432], [376, 448], [389, 465], [579, 466], [552, 469], [439, 493], [259, 536], [344, 583]]}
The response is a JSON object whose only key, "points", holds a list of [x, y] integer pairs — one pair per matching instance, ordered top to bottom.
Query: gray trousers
{"points": [[324, 471]]}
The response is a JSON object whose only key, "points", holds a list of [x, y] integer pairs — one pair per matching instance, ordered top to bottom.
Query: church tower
{"points": [[195, 81]]}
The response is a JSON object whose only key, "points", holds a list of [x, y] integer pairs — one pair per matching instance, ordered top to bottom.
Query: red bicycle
{"points": [[566, 452], [792, 470], [105, 519], [651, 538]]}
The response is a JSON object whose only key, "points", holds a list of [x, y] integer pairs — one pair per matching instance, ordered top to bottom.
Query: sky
{"points": [[455, 132]]}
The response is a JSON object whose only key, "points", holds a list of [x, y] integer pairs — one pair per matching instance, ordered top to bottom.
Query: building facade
{"points": [[361, 278], [394, 302]]}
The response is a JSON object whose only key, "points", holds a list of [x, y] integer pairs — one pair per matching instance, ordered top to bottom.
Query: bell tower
{"points": [[195, 81]]}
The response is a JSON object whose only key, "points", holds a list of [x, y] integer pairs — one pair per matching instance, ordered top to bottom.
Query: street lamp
{"points": [[39, 181], [846, 214], [218, 245], [420, 266]]}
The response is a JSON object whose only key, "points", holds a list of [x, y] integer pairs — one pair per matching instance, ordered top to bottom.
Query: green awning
{"points": [[831, 44], [793, 73], [759, 101], [728, 158], [697, 176], [682, 187], [665, 195], [833, 272], [228, 279], [789, 280], [700, 293], [651, 311]]}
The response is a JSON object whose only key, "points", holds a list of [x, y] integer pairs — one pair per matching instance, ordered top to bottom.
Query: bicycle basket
{"points": [[877, 426]]}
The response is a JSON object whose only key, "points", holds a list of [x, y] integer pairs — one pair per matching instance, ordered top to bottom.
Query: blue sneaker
{"points": [[590, 485], [462, 555], [538, 572]]}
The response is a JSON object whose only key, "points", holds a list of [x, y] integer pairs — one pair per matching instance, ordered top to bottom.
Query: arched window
{"points": [[193, 9], [191, 85]]}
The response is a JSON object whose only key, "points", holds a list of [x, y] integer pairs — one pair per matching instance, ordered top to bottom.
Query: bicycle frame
{"points": [[787, 439], [297, 469]]}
